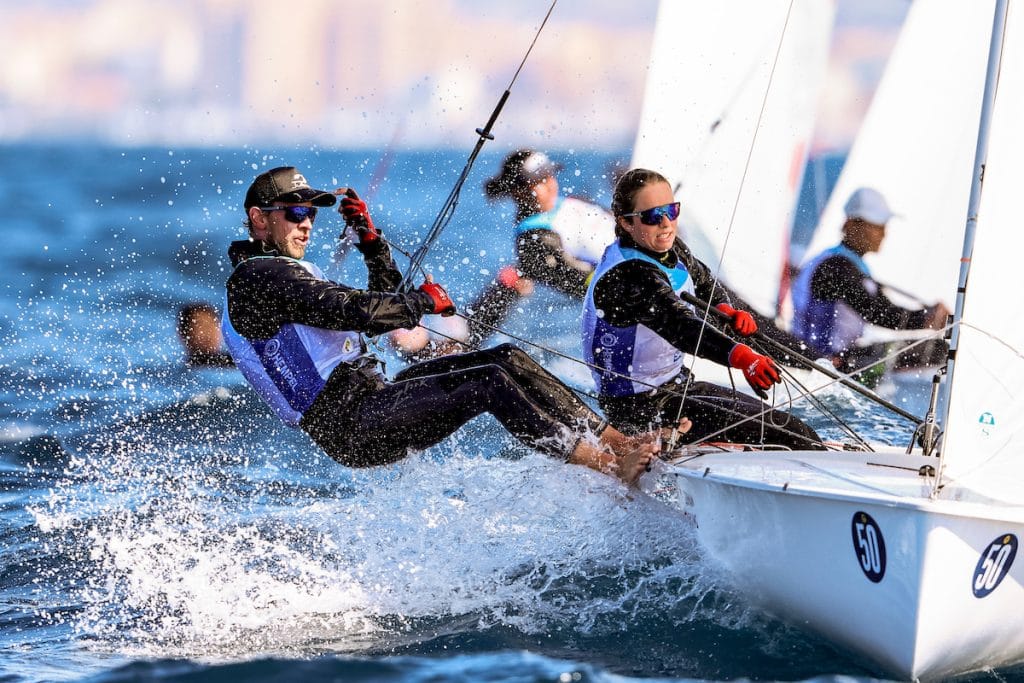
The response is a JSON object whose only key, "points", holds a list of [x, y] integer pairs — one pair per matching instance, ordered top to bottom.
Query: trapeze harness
{"points": [[828, 326], [629, 360], [290, 369]]}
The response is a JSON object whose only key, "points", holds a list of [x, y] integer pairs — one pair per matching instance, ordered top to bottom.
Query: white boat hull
{"points": [[800, 531]]}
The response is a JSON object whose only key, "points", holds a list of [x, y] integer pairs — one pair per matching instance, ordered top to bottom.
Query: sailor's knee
{"points": [[505, 350], [513, 355], [496, 375]]}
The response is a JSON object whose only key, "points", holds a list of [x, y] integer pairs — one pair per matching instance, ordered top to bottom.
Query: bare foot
{"points": [[615, 440], [634, 454], [625, 457], [632, 463]]}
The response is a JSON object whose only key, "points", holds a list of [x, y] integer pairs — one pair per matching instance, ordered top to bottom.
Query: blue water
{"points": [[157, 523]]}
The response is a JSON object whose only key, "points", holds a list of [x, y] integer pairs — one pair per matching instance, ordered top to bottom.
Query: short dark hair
{"points": [[626, 189]]}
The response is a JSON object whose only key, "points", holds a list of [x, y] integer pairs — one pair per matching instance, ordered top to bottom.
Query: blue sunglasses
{"points": [[293, 214], [654, 215]]}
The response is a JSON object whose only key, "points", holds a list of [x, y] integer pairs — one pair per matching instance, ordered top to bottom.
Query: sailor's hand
{"points": [[357, 216], [511, 278], [443, 304], [938, 316], [742, 322], [759, 370], [667, 433], [668, 438]]}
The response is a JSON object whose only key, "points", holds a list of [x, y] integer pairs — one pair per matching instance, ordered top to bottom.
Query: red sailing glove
{"points": [[357, 217], [508, 276], [443, 304], [742, 322], [760, 371]]}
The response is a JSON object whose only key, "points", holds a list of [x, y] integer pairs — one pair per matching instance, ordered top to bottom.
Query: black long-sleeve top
{"points": [[542, 257], [838, 278], [266, 293]]}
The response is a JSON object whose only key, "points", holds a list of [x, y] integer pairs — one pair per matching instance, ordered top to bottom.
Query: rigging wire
{"points": [[736, 201], [448, 210], [761, 339], [803, 392]]}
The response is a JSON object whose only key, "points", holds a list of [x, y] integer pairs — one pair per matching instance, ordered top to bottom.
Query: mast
{"points": [[978, 176]]}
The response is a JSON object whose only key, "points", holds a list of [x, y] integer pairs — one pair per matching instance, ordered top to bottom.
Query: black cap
{"points": [[521, 169], [284, 184]]}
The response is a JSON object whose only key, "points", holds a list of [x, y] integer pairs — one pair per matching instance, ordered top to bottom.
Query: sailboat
{"points": [[927, 93], [908, 558]]}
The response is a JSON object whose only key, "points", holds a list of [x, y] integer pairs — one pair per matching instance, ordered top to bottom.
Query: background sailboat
{"points": [[706, 99], [916, 146], [909, 560]]}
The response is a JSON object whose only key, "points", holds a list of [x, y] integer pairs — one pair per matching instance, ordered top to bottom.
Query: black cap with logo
{"points": [[285, 184]]}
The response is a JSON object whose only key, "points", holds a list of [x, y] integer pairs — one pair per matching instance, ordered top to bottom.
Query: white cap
{"points": [[868, 205]]}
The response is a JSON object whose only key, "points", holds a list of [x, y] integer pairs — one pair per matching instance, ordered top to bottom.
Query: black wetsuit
{"points": [[837, 278], [638, 292], [362, 419]]}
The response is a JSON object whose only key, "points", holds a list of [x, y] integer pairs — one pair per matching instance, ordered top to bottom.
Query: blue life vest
{"points": [[584, 228], [826, 326], [629, 360], [290, 369]]}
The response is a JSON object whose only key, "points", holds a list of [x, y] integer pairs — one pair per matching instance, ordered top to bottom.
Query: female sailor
{"points": [[636, 328]]}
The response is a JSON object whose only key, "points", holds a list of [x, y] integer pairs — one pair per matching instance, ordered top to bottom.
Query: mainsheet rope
{"points": [[448, 210]]}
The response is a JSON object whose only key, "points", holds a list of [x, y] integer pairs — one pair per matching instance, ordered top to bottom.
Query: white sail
{"points": [[710, 67], [916, 146], [984, 443], [908, 560]]}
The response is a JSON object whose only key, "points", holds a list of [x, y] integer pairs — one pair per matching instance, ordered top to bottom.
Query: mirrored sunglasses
{"points": [[293, 214], [654, 215]]}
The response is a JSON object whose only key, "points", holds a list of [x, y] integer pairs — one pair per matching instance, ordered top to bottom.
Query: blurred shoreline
{"points": [[350, 75]]}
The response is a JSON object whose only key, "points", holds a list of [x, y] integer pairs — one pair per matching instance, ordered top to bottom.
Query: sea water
{"points": [[157, 522]]}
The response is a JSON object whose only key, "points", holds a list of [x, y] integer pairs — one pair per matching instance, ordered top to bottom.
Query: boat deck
{"points": [[890, 476]]}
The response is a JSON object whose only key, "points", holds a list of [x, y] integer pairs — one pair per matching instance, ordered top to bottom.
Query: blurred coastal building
{"points": [[348, 73]]}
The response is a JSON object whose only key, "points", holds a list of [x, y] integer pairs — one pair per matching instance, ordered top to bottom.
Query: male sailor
{"points": [[834, 295], [636, 328], [297, 338]]}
